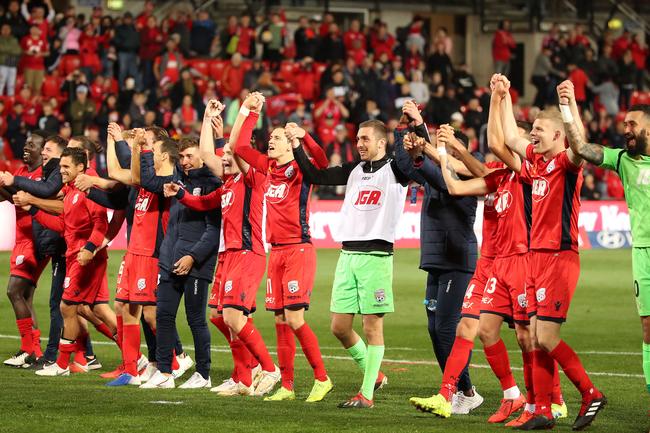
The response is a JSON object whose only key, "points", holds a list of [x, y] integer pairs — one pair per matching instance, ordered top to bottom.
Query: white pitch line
{"points": [[226, 349]]}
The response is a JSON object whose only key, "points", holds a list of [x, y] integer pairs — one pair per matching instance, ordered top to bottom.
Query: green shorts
{"points": [[641, 274], [363, 284]]}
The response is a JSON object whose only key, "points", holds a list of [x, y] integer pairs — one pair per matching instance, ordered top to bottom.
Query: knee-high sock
{"points": [[220, 324], [25, 329], [104, 329], [120, 329], [36, 335], [253, 341], [309, 344], [66, 347], [131, 348], [80, 349], [359, 352], [286, 353], [497, 357], [456, 362], [373, 364], [572, 367], [242, 371], [528, 376], [543, 382], [557, 389]]}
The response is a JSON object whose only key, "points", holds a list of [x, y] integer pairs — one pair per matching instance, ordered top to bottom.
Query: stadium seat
{"points": [[200, 65], [216, 69], [640, 98]]}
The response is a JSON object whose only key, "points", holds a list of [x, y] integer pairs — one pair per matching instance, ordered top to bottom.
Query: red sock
{"points": [[104, 329], [120, 330], [225, 330], [26, 334], [36, 334], [252, 339], [309, 343], [66, 347], [131, 348], [80, 349], [286, 353], [497, 357], [252, 362], [456, 362], [572, 367], [241, 371], [528, 376], [543, 382], [557, 388]]}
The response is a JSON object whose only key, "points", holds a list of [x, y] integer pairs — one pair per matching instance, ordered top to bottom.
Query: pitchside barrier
{"points": [[603, 224]]}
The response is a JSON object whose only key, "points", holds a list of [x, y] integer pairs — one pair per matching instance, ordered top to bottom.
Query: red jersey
{"points": [[349, 39], [31, 47], [556, 185], [286, 193], [241, 200], [513, 206], [150, 217], [23, 218], [83, 221], [489, 229]]}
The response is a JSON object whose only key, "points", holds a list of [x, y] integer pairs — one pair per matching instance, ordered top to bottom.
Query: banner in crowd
{"points": [[603, 224]]}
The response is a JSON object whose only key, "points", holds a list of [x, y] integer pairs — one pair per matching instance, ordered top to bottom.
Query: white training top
{"points": [[373, 205]]}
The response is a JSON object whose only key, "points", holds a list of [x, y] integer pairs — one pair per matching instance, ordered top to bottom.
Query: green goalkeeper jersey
{"points": [[635, 175]]}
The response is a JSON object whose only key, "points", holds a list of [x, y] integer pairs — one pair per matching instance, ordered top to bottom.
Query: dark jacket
{"points": [[127, 39], [188, 232], [447, 239], [47, 242]]}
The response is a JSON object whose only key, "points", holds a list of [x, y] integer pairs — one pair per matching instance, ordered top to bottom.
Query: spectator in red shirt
{"points": [[37, 16], [142, 20], [325, 25], [246, 33], [353, 35], [89, 43], [151, 43], [382, 43], [621, 44], [502, 46], [35, 48], [639, 54], [168, 66], [232, 79], [306, 82], [580, 82], [327, 115]]}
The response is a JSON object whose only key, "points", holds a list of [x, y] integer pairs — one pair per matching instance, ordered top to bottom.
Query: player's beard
{"points": [[641, 144]]}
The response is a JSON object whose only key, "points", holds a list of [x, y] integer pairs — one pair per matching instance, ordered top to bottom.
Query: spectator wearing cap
{"points": [[127, 44], [502, 45], [35, 48], [10, 52], [82, 111]]}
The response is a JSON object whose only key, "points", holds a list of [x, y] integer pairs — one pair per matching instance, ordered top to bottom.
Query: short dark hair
{"points": [[641, 107], [378, 127], [158, 132], [40, 133], [58, 140], [186, 142], [89, 145], [170, 147], [77, 155]]}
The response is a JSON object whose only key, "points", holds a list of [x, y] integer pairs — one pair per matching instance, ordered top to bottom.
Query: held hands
{"points": [[499, 85], [566, 92], [254, 102], [214, 108], [412, 112], [217, 126], [115, 132], [140, 139], [414, 145], [6, 179], [84, 182], [171, 189], [22, 199], [84, 256], [183, 265]]}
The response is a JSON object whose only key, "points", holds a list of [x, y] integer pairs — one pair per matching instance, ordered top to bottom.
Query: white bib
{"points": [[372, 206]]}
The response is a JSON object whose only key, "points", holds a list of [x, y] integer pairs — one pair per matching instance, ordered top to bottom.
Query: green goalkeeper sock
{"points": [[358, 352], [373, 363], [646, 364]]}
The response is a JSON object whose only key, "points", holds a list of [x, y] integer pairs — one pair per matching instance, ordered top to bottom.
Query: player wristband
{"points": [[565, 110], [244, 111], [442, 150], [90, 247]]}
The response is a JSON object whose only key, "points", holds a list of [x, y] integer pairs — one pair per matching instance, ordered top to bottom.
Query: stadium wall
{"points": [[603, 224]]}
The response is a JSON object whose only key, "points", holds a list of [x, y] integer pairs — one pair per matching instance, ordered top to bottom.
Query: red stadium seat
{"points": [[69, 63], [200, 65], [247, 65], [216, 69], [287, 70], [51, 86], [640, 98]]}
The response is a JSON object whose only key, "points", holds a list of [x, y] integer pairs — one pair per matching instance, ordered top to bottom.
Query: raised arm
{"points": [[250, 109], [509, 124], [495, 137], [206, 139], [139, 143], [579, 149], [316, 151], [115, 169], [327, 176], [149, 180], [84, 182], [455, 185], [41, 189], [109, 199], [199, 203]]}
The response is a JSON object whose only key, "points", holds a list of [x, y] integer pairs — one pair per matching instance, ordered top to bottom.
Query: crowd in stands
{"points": [[72, 74]]}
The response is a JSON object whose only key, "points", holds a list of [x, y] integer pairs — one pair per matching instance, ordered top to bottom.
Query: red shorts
{"points": [[24, 263], [291, 273], [240, 277], [137, 280], [552, 282], [85, 284], [474, 293], [505, 293], [215, 294]]}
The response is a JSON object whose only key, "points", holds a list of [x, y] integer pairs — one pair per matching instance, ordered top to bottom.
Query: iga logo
{"points": [[540, 189], [277, 193], [227, 198], [368, 198], [504, 201], [142, 284], [293, 286]]}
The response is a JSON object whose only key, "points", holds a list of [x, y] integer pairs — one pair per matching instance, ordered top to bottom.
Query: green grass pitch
{"points": [[603, 328]]}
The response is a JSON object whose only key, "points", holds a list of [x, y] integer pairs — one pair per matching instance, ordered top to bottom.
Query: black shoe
{"points": [[29, 361], [40, 363], [93, 363], [588, 412], [538, 422]]}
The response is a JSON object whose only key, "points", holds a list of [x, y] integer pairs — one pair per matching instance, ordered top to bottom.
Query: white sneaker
{"points": [[17, 360], [143, 362], [184, 364], [53, 370], [148, 372], [256, 374], [159, 380], [268, 380], [197, 381], [227, 387], [245, 390], [462, 404]]}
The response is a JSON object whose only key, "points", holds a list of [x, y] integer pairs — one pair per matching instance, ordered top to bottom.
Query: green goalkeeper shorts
{"points": [[641, 274], [363, 284]]}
